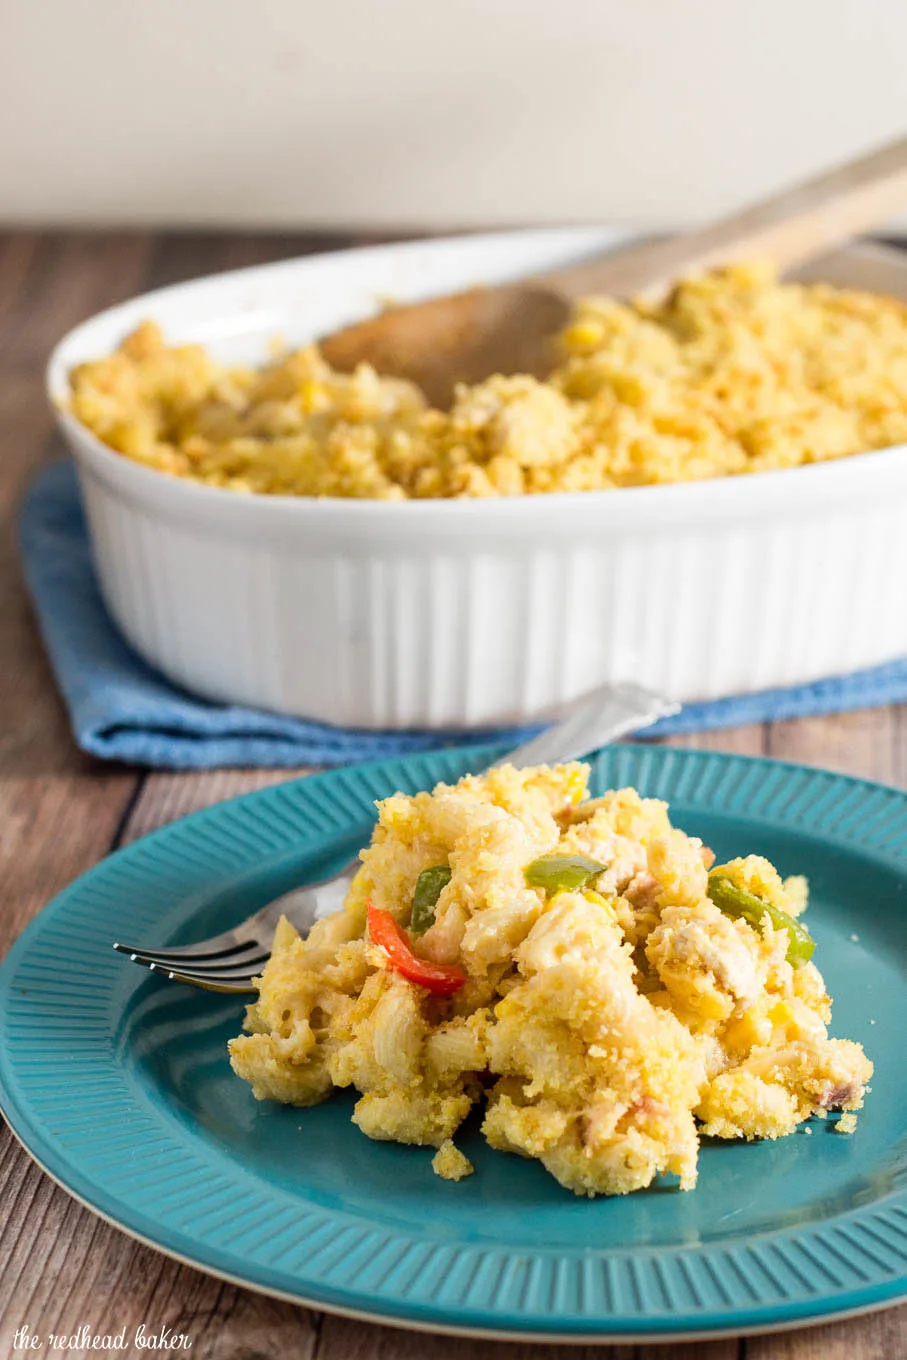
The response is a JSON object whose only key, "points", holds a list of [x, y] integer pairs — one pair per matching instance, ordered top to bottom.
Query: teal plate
{"points": [[118, 1084]]}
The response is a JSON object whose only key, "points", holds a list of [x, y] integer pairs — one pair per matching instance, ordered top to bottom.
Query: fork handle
{"points": [[606, 713]]}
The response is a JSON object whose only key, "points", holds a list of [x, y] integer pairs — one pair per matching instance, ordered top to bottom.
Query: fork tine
{"points": [[200, 952], [249, 966], [212, 979], [240, 981], [238, 986]]}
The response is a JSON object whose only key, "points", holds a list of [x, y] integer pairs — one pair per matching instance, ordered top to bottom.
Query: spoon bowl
{"points": [[460, 338]]}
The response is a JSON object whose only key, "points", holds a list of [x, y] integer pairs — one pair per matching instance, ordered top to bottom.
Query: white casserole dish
{"points": [[466, 613]]}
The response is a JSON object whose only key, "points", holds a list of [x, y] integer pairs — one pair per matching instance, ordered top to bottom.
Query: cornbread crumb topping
{"points": [[734, 373], [563, 965], [450, 1163]]}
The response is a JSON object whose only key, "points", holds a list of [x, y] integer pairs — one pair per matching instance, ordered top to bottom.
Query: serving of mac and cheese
{"points": [[576, 968]]}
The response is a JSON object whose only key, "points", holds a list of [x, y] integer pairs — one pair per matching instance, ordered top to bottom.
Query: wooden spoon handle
{"points": [[793, 226]]}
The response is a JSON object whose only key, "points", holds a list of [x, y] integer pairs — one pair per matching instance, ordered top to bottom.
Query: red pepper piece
{"points": [[442, 979]]}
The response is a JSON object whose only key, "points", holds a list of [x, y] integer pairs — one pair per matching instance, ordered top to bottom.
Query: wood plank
{"points": [[16, 251], [187, 255], [67, 276], [43, 291], [741, 741], [868, 743], [899, 745], [49, 793], [165, 797], [59, 811], [63, 1264], [60, 1265], [89, 1273], [874, 1336], [346, 1339]]}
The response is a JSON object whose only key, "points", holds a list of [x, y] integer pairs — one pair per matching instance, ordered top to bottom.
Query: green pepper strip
{"points": [[561, 873], [429, 886], [735, 901]]}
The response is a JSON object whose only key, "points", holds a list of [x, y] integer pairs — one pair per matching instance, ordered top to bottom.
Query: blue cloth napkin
{"points": [[123, 710]]}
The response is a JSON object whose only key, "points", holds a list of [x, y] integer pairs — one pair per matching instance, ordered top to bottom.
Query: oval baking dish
{"points": [[472, 612]]}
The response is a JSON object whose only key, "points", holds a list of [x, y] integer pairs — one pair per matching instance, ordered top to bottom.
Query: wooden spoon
{"points": [[468, 336]]}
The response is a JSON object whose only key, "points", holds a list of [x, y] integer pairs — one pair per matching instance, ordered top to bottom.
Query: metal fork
{"points": [[228, 962]]}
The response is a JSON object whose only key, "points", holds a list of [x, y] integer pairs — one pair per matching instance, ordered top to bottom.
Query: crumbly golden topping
{"points": [[734, 373], [607, 1012], [450, 1163]]}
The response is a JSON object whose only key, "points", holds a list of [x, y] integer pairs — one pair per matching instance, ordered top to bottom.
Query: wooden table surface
{"points": [[60, 811]]}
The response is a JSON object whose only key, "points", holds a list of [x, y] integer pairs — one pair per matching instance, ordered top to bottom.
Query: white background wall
{"points": [[401, 112]]}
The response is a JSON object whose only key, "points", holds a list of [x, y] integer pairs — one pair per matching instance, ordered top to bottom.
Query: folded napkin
{"points": [[123, 710]]}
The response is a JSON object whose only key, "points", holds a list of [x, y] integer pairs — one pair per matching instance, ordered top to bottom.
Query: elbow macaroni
{"points": [[604, 1029]]}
